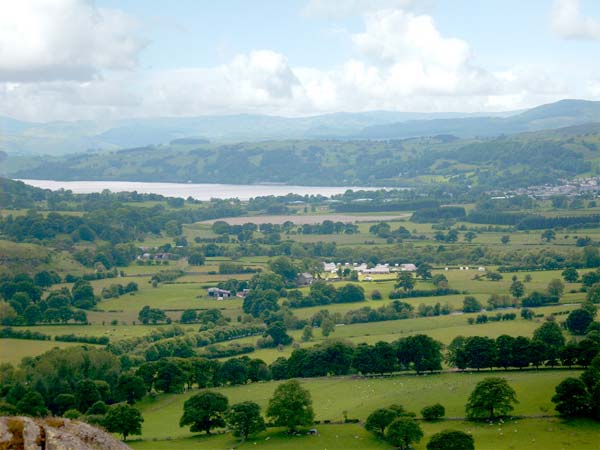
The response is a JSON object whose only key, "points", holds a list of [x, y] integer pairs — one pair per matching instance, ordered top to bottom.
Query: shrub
{"points": [[433, 412]]}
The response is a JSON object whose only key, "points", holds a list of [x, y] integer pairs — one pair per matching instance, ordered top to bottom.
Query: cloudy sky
{"points": [[84, 59]]}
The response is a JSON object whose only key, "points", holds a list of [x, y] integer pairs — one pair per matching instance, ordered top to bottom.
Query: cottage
{"points": [[408, 267], [304, 279]]}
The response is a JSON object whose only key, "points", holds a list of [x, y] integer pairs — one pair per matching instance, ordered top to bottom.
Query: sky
{"points": [[112, 59]]}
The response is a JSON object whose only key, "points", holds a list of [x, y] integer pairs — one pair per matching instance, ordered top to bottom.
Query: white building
{"points": [[330, 267], [378, 269]]}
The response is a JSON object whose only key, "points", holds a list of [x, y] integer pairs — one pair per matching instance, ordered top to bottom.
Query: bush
{"points": [[376, 295], [471, 304], [433, 412], [71, 414], [451, 440]]}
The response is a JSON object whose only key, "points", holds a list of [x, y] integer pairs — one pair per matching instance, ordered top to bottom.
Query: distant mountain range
{"points": [[564, 113], [57, 138]]}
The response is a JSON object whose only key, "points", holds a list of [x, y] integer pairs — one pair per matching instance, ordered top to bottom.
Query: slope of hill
{"points": [[554, 115], [509, 161]]}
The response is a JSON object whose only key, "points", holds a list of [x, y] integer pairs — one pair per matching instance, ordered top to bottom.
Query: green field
{"points": [[14, 350], [333, 396], [358, 397], [525, 434]]}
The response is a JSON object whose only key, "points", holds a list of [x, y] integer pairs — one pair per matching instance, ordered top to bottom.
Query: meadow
{"points": [[14, 350], [357, 397], [521, 434]]}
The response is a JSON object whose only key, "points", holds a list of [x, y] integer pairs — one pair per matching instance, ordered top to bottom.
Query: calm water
{"points": [[184, 190]]}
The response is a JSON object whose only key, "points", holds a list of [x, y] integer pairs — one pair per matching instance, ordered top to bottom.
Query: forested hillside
{"points": [[508, 161]]}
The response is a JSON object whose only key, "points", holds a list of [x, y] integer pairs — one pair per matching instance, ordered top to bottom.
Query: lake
{"points": [[185, 190]]}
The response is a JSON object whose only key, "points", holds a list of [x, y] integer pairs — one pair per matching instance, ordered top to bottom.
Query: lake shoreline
{"points": [[198, 191]]}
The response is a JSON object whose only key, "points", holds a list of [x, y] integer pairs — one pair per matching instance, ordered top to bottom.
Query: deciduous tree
{"points": [[492, 397], [291, 406], [204, 412], [245, 419]]}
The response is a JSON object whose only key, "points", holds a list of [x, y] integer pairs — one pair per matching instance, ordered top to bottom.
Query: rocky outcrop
{"points": [[25, 433]]}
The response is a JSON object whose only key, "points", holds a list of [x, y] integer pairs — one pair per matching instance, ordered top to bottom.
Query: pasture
{"points": [[14, 350], [360, 396], [523, 434]]}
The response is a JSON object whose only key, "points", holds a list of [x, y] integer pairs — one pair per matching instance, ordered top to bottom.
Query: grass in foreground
{"points": [[359, 397], [525, 434]]}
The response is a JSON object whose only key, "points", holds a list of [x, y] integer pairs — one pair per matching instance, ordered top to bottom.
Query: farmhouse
{"points": [[408, 267], [378, 269], [304, 279], [220, 294]]}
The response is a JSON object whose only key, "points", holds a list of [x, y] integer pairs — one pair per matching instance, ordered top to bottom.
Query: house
{"points": [[330, 267], [360, 267], [408, 267], [378, 269], [304, 279], [218, 293]]}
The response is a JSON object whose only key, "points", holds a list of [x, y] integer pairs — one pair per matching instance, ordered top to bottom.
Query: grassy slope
{"points": [[14, 350], [333, 396], [529, 434]]}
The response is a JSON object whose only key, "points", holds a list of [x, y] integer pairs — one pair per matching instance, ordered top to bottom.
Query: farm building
{"points": [[304, 279], [218, 293]]}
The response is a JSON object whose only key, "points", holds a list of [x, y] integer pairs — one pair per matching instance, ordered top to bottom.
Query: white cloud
{"points": [[570, 23], [394, 35], [46, 40], [401, 61], [259, 81]]}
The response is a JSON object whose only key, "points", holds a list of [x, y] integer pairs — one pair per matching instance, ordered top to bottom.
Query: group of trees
{"points": [[111, 217], [384, 231], [117, 289], [322, 293], [22, 301], [152, 315], [547, 347], [419, 353], [176, 374], [78, 380], [580, 397], [491, 399], [290, 407], [399, 427]]}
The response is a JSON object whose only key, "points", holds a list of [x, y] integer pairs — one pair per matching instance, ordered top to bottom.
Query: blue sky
{"points": [[80, 59]]}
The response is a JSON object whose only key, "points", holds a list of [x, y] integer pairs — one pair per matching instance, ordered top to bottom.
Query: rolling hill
{"points": [[561, 114], [507, 161]]}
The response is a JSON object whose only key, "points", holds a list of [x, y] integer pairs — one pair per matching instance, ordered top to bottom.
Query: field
{"points": [[14, 350], [358, 397], [524, 434]]}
